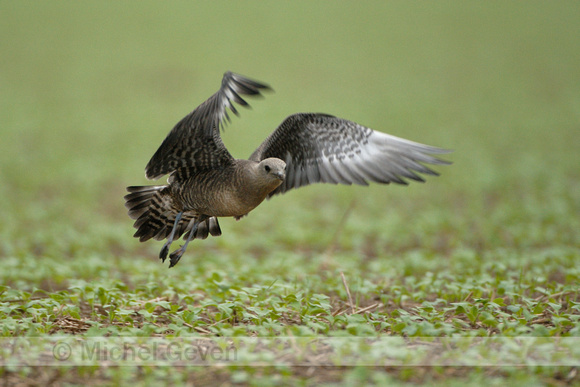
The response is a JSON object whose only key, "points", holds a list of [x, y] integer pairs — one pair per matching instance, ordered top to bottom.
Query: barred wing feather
{"points": [[195, 142], [327, 149]]}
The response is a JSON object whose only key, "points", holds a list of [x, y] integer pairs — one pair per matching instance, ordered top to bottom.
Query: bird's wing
{"points": [[195, 142], [327, 149]]}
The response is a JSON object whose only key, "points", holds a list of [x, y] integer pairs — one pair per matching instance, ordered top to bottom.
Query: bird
{"points": [[206, 182]]}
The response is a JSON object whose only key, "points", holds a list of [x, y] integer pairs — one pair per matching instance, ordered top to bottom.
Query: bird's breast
{"points": [[221, 193]]}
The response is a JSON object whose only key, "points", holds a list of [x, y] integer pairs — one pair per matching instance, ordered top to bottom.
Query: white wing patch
{"points": [[382, 159]]}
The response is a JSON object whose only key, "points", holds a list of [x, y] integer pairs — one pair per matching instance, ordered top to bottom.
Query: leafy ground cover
{"points": [[489, 249]]}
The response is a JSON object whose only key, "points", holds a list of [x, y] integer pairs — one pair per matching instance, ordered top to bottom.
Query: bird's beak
{"points": [[280, 175]]}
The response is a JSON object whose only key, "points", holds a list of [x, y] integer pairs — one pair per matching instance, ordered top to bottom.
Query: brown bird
{"points": [[206, 182]]}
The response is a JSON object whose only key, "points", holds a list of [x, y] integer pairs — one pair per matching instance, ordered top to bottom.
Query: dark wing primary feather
{"points": [[195, 142], [327, 149]]}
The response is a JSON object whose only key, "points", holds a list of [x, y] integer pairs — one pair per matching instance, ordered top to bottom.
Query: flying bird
{"points": [[206, 182]]}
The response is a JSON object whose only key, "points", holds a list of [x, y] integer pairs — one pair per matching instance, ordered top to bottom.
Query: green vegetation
{"points": [[490, 248]]}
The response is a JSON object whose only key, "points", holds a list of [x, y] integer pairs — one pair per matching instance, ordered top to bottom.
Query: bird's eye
{"points": [[267, 168]]}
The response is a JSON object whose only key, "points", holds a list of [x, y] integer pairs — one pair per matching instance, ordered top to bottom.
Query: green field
{"points": [[491, 248]]}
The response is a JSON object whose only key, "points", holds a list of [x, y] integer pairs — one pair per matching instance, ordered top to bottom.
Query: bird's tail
{"points": [[154, 213]]}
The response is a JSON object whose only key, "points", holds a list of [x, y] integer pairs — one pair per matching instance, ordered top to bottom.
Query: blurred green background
{"points": [[90, 89]]}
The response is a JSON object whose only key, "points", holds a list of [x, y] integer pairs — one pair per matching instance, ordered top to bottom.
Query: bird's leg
{"points": [[165, 249], [176, 255]]}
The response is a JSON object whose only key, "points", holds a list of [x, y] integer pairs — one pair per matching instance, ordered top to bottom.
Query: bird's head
{"points": [[272, 169]]}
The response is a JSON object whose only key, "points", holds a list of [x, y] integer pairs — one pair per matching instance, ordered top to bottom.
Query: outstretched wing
{"points": [[195, 142], [327, 149]]}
